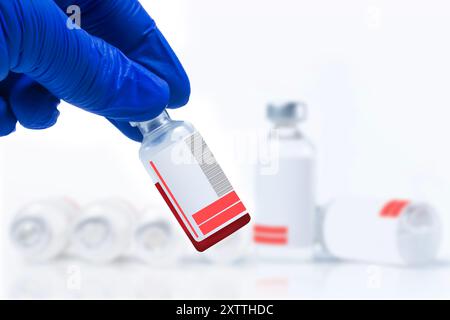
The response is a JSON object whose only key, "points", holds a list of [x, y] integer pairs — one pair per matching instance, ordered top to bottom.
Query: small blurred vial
{"points": [[191, 181], [285, 198], [41, 230], [104, 230], [396, 232], [155, 241], [232, 250]]}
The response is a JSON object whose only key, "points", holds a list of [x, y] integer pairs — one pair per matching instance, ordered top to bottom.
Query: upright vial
{"points": [[191, 181], [285, 194], [41, 230], [104, 230], [381, 231]]}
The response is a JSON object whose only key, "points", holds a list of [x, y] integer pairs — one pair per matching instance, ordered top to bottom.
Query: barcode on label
{"points": [[209, 165]]}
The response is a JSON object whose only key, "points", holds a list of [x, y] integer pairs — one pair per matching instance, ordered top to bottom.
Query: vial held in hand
{"points": [[190, 180]]}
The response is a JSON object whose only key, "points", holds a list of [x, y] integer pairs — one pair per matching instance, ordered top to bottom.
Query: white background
{"points": [[375, 75]]}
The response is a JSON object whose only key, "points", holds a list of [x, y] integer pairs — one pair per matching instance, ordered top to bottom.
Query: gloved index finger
{"points": [[126, 25], [77, 67]]}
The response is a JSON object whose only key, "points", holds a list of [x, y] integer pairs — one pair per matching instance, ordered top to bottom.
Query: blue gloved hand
{"points": [[118, 65]]}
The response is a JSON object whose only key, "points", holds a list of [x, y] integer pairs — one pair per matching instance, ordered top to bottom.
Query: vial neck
{"points": [[286, 125], [147, 127], [287, 130]]}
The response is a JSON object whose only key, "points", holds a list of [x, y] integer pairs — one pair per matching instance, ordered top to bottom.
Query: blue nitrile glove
{"points": [[118, 65]]}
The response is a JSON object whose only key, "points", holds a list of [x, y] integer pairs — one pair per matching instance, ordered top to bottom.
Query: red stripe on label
{"points": [[172, 196], [215, 207], [394, 208], [174, 211], [386, 211], [222, 218], [270, 229], [222, 233], [269, 240]]}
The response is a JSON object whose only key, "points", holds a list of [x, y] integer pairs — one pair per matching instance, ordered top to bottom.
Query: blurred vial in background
{"points": [[285, 198], [41, 230], [104, 230], [379, 231], [155, 239], [234, 249]]}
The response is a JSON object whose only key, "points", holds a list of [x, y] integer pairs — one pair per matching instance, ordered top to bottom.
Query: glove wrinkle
{"points": [[4, 55]]}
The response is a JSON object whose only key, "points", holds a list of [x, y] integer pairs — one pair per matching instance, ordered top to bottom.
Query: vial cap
{"points": [[287, 112]]}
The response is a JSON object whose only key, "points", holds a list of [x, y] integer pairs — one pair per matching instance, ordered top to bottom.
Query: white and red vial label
{"points": [[198, 192], [285, 205]]}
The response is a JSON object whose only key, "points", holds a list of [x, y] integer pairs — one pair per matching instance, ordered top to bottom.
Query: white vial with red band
{"points": [[191, 181], [285, 206], [389, 231]]}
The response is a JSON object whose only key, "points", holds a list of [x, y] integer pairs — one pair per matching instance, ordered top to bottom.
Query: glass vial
{"points": [[191, 181], [285, 194], [40, 231], [381, 231], [103, 232], [155, 241], [233, 250]]}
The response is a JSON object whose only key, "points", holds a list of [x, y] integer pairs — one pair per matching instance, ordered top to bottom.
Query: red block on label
{"points": [[216, 207], [212, 239]]}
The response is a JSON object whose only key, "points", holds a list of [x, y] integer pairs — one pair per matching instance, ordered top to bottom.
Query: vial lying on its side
{"points": [[190, 180], [40, 230], [104, 230], [380, 231], [155, 241]]}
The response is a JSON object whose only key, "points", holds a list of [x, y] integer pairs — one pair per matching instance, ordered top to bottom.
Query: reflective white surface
{"points": [[68, 279]]}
